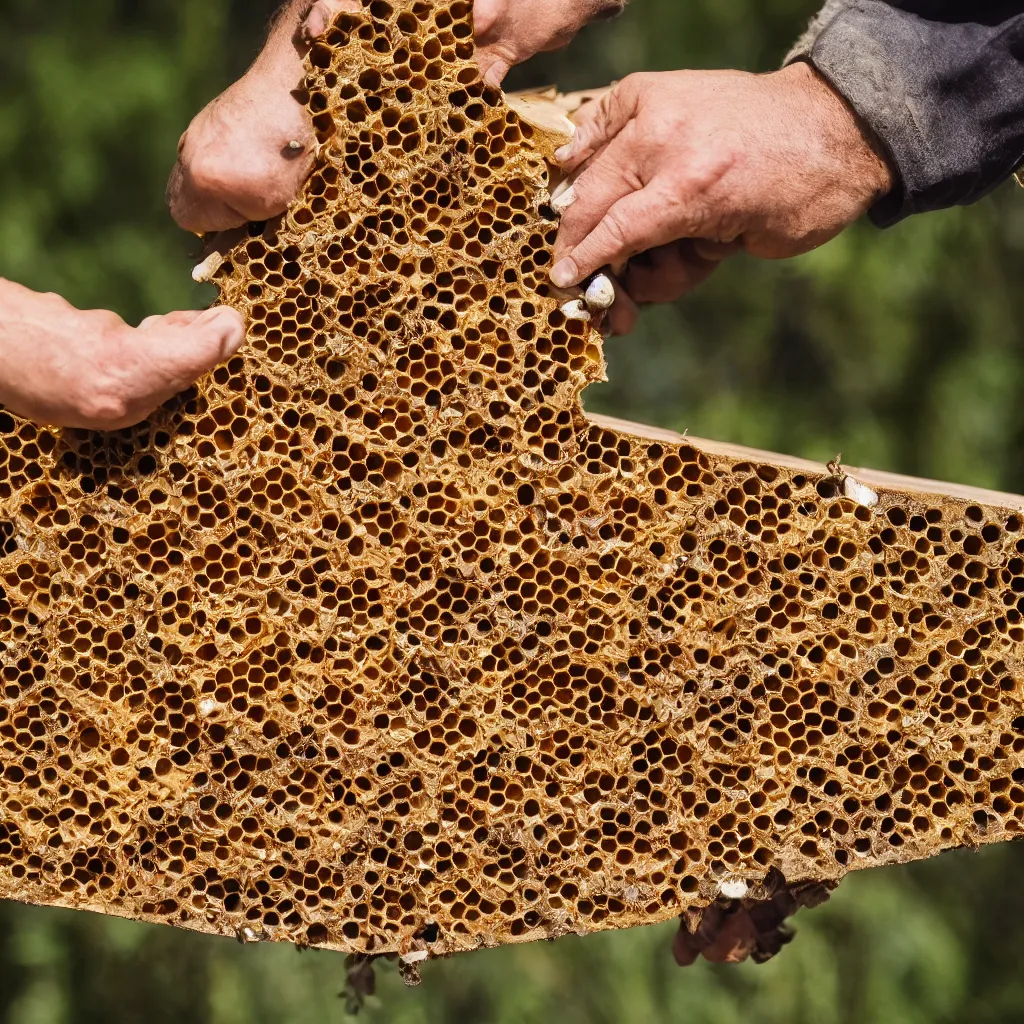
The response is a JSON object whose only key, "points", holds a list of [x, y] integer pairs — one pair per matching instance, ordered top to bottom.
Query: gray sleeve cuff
{"points": [[801, 49], [944, 98]]}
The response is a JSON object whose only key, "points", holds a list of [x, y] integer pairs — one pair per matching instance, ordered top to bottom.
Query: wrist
{"points": [[845, 134]]}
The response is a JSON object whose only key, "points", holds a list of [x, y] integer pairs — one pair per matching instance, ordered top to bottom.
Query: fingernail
{"points": [[564, 153], [563, 197], [564, 273]]}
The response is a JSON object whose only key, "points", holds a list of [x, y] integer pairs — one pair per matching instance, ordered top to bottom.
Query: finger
{"points": [[486, 14], [322, 15], [493, 67], [598, 123], [606, 179], [219, 187], [565, 194], [194, 208], [633, 223], [715, 252], [668, 272], [656, 275], [623, 316], [181, 317], [184, 352], [156, 362], [734, 943], [685, 948]]}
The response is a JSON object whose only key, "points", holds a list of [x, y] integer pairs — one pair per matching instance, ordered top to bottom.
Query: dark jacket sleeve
{"points": [[941, 84]]}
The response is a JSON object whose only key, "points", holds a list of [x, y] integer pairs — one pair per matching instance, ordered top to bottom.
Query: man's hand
{"points": [[509, 32], [247, 153], [772, 164], [71, 368]]}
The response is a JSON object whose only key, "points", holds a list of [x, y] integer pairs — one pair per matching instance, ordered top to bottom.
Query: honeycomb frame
{"points": [[373, 640]]}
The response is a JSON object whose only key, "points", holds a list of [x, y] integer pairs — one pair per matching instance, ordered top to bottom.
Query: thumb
{"points": [[493, 68], [631, 225], [182, 316], [188, 350]]}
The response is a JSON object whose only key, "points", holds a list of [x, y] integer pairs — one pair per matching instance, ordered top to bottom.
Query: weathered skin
{"points": [[68, 367]]}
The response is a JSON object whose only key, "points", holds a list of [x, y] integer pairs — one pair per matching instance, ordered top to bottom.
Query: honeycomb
{"points": [[373, 640]]}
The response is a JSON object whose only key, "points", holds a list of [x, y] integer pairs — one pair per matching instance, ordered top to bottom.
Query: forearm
{"points": [[942, 87]]}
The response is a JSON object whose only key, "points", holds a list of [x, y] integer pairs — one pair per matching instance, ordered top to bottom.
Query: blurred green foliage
{"points": [[901, 349]]}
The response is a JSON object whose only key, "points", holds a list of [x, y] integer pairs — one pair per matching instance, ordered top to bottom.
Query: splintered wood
{"points": [[373, 640]]}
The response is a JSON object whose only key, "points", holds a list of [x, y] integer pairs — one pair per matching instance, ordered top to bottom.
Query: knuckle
{"points": [[320, 16], [637, 83], [603, 118], [582, 136], [208, 171], [701, 179], [214, 181], [616, 228], [613, 237], [106, 324], [102, 407]]}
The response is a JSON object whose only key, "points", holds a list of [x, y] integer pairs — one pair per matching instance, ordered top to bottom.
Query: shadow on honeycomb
{"points": [[374, 641]]}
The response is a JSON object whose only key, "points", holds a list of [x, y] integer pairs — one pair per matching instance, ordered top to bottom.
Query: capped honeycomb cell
{"points": [[374, 640]]}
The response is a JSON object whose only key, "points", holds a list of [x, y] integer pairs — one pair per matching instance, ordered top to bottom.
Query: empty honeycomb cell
{"points": [[373, 640]]}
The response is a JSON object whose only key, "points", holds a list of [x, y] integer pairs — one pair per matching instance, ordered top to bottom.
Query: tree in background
{"points": [[901, 349]]}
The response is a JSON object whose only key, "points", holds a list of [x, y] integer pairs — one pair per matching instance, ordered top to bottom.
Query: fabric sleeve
{"points": [[942, 90]]}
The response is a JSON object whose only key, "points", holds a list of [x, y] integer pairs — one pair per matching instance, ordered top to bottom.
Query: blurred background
{"points": [[904, 350]]}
